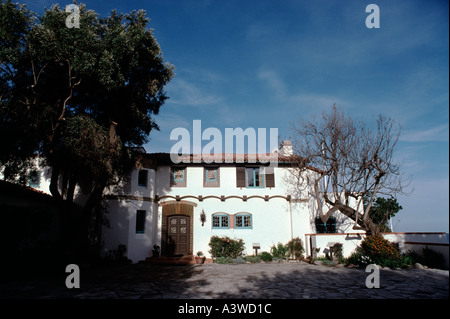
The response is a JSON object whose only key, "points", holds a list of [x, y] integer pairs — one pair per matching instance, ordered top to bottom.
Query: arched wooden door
{"points": [[177, 228]]}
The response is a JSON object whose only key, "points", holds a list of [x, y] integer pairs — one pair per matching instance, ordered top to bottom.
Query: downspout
{"points": [[290, 219]]}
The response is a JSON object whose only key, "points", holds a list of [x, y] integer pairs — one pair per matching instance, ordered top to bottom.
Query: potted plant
{"points": [[156, 250], [200, 258]]}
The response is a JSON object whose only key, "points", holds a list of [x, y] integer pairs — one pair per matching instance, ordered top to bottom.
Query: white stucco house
{"points": [[178, 207]]}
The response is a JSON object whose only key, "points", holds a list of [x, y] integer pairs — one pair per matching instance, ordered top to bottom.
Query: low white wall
{"points": [[352, 240]]}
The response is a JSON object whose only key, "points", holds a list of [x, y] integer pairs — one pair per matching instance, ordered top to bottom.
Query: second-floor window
{"points": [[178, 176], [211, 176], [255, 177], [142, 178]]}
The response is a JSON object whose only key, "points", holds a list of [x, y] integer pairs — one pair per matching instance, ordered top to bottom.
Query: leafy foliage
{"points": [[110, 70], [79, 98], [382, 210], [225, 247], [295, 248], [378, 248], [279, 251], [338, 251], [265, 256], [428, 257], [253, 259], [223, 260]]}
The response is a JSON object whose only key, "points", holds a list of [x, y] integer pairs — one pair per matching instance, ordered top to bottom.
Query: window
{"points": [[211, 174], [178, 176], [254, 176], [211, 177], [142, 178], [140, 221], [220, 221], [243, 221], [328, 227]]}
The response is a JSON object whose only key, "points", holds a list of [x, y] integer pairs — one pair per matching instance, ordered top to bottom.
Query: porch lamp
{"points": [[203, 217]]}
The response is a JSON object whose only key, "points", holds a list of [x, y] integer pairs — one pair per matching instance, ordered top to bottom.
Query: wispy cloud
{"points": [[184, 92], [310, 101], [435, 134]]}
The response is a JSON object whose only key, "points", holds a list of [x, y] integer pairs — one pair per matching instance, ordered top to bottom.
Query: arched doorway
{"points": [[177, 229]]}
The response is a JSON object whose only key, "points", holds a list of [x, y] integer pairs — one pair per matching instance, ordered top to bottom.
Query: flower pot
{"points": [[199, 260]]}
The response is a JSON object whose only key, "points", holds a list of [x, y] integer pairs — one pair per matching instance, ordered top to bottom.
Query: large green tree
{"points": [[79, 99], [382, 210]]}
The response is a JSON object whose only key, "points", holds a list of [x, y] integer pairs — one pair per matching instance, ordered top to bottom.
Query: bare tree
{"points": [[343, 161]]}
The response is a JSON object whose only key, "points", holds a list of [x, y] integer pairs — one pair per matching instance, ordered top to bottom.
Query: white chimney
{"points": [[286, 148]]}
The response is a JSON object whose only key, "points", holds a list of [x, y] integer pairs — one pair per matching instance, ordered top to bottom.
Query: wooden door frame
{"points": [[180, 208]]}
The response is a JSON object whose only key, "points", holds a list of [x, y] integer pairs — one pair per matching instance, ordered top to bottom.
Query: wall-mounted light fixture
{"points": [[203, 217]]}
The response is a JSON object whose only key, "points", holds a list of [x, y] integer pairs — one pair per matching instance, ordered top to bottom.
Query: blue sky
{"points": [[263, 64]]}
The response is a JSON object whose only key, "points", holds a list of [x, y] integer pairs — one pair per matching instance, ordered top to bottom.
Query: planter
{"points": [[155, 251], [199, 260]]}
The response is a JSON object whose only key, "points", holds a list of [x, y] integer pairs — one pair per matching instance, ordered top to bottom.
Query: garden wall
{"points": [[407, 241]]}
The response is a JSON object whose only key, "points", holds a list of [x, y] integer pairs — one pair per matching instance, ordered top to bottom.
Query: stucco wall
{"points": [[274, 220], [352, 240]]}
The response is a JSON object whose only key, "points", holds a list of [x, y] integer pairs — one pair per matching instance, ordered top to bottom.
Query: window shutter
{"points": [[240, 176], [270, 177]]}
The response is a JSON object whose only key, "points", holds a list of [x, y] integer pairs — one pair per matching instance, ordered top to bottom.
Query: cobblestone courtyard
{"points": [[246, 281]]}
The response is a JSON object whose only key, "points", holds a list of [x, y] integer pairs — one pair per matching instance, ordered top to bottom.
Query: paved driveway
{"points": [[285, 280]]}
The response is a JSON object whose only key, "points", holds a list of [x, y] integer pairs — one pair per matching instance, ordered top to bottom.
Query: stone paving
{"points": [[246, 281]]}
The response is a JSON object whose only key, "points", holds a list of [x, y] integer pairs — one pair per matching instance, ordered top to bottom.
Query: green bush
{"points": [[225, 247], [295, 248], [377, 250], [279, 251], [380, 251], [337, 252], [265, 256], [428, 257], [253, 259], [433, 259], [223, 260], [238, 260]]}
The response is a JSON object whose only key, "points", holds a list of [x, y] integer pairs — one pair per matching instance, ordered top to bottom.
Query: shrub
{"points": [[225, 247], [295, 248], [377, 250], [380, 250], [279, 251], [337, 252], [265, 256], [356, 257], [428, 257], [253, 259], [433, 259], [223, 260], [238, 260]]}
